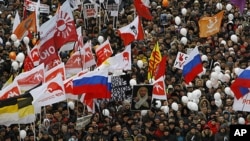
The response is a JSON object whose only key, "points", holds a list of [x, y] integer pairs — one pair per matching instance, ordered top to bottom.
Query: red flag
{"points": [[142, 10], [65, 26], [56, 32], [131, 32], [79, 43], [48, 52], [103, 52], [34, 54], [89, 59], [28, 62], [53, 63], [75, 63], [59, 69], [161, 69], [30, 79], [68, 86], [11, 90], [159, 90], [49, 93], [89, 103]]}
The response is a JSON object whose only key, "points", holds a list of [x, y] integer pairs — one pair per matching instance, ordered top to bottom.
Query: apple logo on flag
{"points": [[53, 86]]}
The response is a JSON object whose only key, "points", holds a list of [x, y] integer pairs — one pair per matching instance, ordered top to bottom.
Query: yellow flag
{"points": [[210, 25], [154, 60]]}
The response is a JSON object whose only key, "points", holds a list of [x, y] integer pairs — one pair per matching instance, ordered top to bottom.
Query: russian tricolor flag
{"points": [[192, 66], [94, 83], [241, 84]]}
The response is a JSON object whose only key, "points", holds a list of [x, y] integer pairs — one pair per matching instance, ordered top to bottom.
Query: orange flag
{"points": [[27, 25], [210, 25]]}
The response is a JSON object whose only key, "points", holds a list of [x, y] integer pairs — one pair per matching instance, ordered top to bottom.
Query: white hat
{"points": [[230, 49], [216, 63], [170, 87]]}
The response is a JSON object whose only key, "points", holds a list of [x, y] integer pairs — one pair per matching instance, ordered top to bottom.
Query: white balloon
{"points": [[219, 6], [229, 7], [184, 11], [230, 17], [177, 20], [183, 31], [13, 37], [234, 38], [100, 39], [26, 40], [184, 40], [7, 43], [17, 43], [20, 57], [204, 57], [140, 63], [15, 65], [217, 69], [237, 71], [214, 75], [221, 76], [226, 77], [132, 82], [216, 84], [227, 91], [197, 93], [190, 96], [217, 96], [184, 99], [196, 100], [218, 102], [158, 103], [71, 105], [189, 105], [174, 106], [194, 106], [165, 109], [105, 112], [144, 112], [241, 120], [23, 134]]}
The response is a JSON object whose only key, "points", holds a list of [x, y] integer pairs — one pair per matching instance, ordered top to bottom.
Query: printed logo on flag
{"points": [[180, 60], [54, 87]]}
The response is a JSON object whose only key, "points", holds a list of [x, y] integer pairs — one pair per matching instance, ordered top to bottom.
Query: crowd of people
{"points": [[211, 122]]}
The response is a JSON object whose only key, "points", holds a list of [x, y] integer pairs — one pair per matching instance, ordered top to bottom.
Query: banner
{"points": [[31, 6], [113, 9], [90, 10], [180, 60], [121, 88], [242, 104], [83, 121]]}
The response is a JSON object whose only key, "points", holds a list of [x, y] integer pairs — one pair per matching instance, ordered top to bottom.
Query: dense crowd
{"points": [[210, 123]]}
